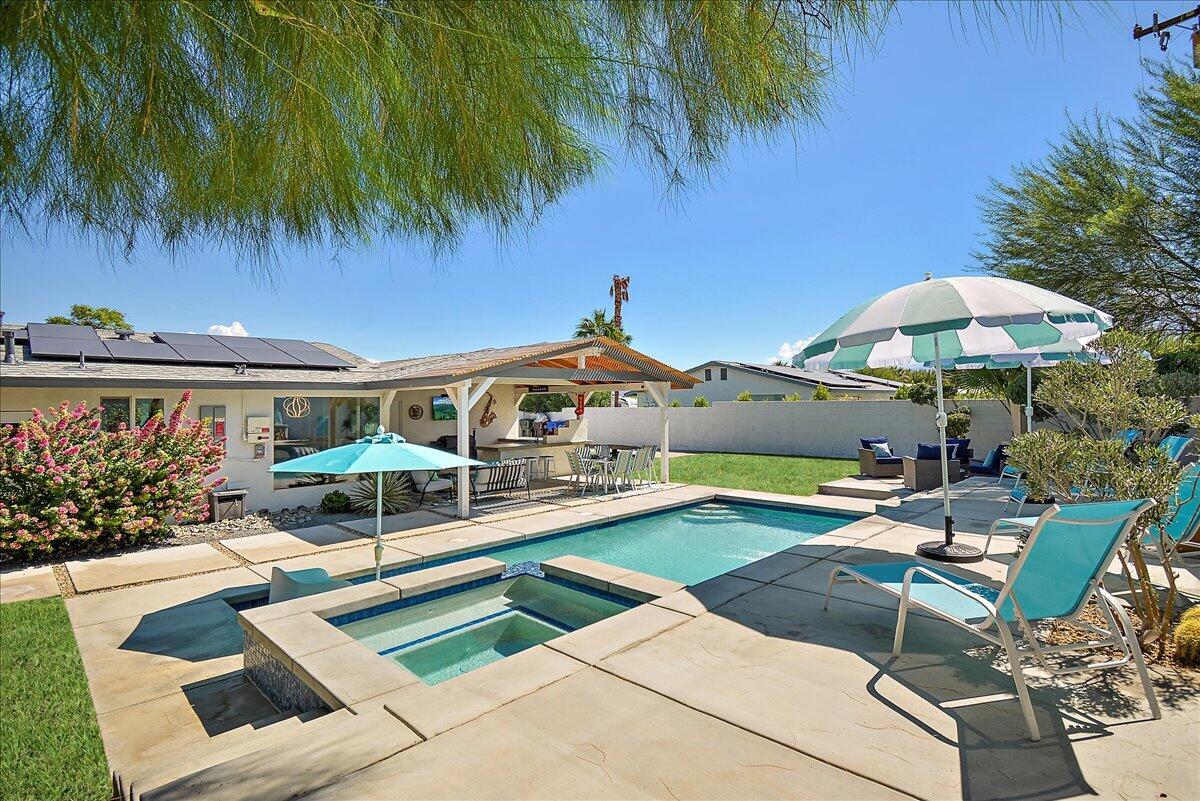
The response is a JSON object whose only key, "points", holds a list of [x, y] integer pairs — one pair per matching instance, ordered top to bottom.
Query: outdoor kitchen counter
{"points": [[510, 449]]}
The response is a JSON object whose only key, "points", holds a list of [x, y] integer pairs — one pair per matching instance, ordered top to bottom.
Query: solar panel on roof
{"points": [[57, 331], [184, 339], [58, 347], [141, 351], [256, 351], [307, 353], [218, 354]]}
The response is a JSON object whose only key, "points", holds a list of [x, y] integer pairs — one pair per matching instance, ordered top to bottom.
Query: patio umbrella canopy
{"points": [[948, 319], [1046, 356], [382, 453]]}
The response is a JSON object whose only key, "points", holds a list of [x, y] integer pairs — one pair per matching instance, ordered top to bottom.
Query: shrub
{"points": [[821, 393], [744, 395], [795, 397], [701, 402], [675, 404], [958, 422], [1086, 462], [68, 486], [398, 493], [335, 502]]}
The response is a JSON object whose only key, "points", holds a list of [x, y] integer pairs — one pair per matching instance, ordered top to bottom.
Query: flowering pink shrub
{"points": [[68, 486]]}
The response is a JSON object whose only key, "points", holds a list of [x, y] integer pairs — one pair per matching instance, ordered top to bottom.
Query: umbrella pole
{"points": [[1028, 397], [378, 523], [946, 550]]}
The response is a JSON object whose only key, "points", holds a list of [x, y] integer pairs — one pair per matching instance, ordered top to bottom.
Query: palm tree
{"points": [[619, 292], [597, 324]]}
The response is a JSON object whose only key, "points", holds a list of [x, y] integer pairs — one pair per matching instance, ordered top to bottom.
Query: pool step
{"points": [[875, 489], [321, 752], [133, 785]]}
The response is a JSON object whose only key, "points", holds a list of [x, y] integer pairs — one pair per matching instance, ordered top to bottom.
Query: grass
{"points": [[789, 475], [50, 744]]}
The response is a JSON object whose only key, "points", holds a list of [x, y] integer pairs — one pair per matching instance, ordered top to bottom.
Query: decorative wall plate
{"points": [[296, 408], [416, 411]]}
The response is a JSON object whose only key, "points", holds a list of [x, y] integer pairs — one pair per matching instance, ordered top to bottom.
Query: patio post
{"points": [[660, 392], [462, 400]]}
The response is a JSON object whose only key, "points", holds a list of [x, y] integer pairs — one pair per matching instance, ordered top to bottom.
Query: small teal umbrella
{"points": [[382, 453]]}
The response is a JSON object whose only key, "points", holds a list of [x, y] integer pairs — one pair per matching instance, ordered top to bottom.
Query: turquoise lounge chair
{"points": [[1128, 436], [1175, 446], [1184, 525], [1058, 572]]}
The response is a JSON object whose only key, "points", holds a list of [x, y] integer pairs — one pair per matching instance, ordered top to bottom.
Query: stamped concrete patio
{"points": [[739, 687]]}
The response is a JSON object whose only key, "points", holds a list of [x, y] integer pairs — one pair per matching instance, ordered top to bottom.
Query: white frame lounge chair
{"points": [[1059, 571]]}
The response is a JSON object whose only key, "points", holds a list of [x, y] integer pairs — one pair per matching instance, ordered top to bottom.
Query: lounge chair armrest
{"points": [[984, 602]]}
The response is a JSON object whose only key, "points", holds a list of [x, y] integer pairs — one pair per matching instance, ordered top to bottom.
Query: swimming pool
{"points": [[688, 545]]}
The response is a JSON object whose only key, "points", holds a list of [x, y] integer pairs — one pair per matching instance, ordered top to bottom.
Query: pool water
{"points": [[686, 545], [446, 637]]}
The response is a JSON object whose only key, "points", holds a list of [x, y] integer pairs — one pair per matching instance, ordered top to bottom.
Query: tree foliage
{"points": [[242, 122], [1111, 216], [94, 316], [598, 324], [821, 393]]}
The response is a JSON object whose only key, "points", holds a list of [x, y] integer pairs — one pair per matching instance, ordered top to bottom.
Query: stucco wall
{"points": [[829, 428]]}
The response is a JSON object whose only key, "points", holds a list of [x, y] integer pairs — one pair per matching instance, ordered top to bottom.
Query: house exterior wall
{"points": [[758, 384], [829, 428], [239, 466]]}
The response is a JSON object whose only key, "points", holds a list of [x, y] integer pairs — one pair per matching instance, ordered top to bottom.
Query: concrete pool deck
{"points": [[739, 687]]}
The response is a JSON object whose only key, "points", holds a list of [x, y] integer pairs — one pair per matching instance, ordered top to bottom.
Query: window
{"points": [[724, 374], [708, 375], [144, 409], [116, 412], [305, 425]]}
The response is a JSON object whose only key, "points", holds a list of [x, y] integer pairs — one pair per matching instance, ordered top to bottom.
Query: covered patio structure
{"points": [[486, 387]]}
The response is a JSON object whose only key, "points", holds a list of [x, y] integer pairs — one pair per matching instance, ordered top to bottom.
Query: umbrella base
{"points": [[941, 551]]}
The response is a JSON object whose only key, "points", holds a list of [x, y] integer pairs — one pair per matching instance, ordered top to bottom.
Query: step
{"points": [[874, 489], [331, 747], [184, 761]]}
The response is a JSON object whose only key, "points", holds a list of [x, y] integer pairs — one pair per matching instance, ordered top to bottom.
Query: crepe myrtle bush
{"points": [[68, 486]]}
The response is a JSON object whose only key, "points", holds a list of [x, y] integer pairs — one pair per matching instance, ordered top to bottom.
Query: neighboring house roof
{"points": [[604, 358], [833, 379]]}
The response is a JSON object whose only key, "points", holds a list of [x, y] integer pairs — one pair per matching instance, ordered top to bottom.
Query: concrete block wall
{"points": [[803, 428]]}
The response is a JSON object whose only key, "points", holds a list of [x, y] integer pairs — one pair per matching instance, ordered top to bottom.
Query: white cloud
{"points": [[234, 329], [789, 349]]}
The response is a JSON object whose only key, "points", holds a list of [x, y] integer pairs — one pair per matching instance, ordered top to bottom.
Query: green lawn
{"points": [[791, 475], [50, 744]]}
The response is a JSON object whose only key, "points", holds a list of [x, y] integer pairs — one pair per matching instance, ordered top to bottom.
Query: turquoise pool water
{"points": [[687, 545], [449, 636]]}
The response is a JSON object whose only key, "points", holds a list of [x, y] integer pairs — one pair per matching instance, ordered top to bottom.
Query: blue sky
{"points": [[782, 241]]}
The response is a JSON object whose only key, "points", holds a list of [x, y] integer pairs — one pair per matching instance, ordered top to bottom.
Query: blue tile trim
{"points": [[404, 603], [514, 610]]}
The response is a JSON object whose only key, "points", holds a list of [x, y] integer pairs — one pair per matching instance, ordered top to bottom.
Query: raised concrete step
{"points": [[876, 489], [331, 747], [180, 762]]}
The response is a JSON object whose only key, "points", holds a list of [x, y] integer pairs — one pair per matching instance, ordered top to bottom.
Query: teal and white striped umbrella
{"points": [[972, 316], [948, 319]]}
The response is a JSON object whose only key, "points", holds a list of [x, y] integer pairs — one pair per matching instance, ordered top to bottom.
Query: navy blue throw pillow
{"points": [[867, 442], [927, 451]]}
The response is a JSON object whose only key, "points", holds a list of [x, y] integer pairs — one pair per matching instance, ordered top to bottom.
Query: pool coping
{"points": [[398, 561], [295, 653]]}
